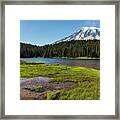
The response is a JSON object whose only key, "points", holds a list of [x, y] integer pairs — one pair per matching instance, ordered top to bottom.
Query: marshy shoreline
{"points": [[37, 88]]}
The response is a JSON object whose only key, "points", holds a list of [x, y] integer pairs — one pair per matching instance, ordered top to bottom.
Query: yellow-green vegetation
{"points": [[77, 58], [86, 58], [87, 79], [37, 88]]}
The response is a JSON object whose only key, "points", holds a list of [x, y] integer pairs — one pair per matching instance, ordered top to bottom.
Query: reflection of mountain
{"points": [[85, 33]]}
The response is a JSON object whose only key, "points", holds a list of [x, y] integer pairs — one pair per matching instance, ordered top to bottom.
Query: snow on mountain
{"points": [[85, 33]]}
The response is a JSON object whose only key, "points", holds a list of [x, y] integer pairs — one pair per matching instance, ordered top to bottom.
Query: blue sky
{"points": [[41, 32]]}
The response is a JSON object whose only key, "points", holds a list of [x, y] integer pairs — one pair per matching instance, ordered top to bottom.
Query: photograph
{"points": [[60, 59]]}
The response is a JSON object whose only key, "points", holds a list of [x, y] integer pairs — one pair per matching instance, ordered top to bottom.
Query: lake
{"points": [[91, 63]]}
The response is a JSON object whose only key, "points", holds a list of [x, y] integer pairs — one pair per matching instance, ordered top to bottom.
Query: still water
{"points": [[66, 61]]}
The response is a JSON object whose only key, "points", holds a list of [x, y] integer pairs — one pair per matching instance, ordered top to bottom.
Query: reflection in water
{"points": [[71, 62]]}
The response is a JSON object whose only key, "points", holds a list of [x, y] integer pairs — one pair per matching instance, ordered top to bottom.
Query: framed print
{"points": [[60, 59]]}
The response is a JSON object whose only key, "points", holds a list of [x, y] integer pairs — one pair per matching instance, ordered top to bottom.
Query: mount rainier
{"points": [[85, 33], [83, 43]]}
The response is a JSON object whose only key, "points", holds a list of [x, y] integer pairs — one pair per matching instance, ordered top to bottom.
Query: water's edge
{"points": [[71, 62]]}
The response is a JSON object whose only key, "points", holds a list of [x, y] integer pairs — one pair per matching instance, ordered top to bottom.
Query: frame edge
{"points": [[2, 64]]}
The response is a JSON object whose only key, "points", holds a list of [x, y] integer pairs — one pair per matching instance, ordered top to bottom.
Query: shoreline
{"points": [[76, 58]]}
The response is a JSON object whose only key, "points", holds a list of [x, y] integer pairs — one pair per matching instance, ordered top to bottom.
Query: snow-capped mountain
{"points": [[85, 33]]}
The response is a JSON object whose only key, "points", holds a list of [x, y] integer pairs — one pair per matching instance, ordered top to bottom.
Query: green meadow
{"points": [[87, 80]]}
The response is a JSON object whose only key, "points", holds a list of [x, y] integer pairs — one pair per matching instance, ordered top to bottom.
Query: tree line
{"points": [[74, 48]]}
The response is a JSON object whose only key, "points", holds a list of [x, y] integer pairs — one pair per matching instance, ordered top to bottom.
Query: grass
{"points": [[82, 58], [87, 58], [88, 79], [37, 88]]}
